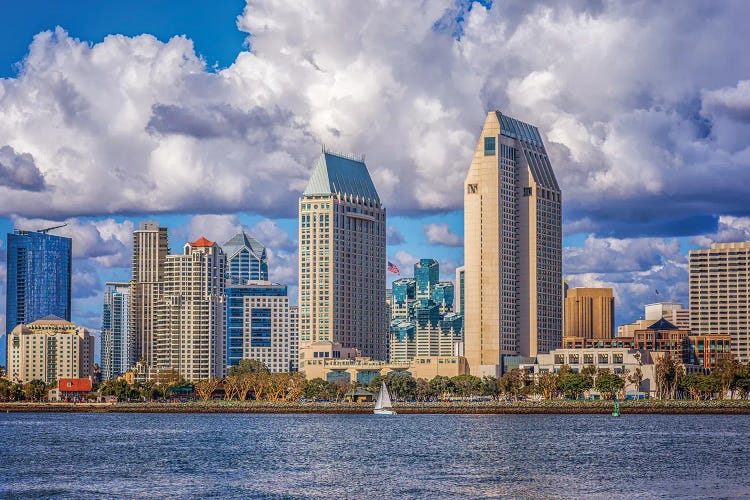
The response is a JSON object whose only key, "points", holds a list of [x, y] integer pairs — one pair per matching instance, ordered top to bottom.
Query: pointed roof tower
{"points": [[335, 173]]}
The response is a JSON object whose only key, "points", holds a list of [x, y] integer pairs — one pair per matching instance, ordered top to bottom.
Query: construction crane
{"points": [[47, 230]]}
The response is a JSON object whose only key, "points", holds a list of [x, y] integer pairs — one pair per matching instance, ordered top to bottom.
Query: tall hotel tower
{"points": [[513, 248], [150, 249], [342, 258]]}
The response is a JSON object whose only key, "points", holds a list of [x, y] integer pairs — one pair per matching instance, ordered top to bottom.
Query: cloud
{"points": [[641, 137], [18, 171], [218, 228], [730, 229], [440, 234], [272, 236], [393, 236], [107, 242], [635, 268]]}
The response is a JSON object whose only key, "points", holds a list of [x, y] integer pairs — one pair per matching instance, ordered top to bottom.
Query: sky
{"points": [[208, 116]]}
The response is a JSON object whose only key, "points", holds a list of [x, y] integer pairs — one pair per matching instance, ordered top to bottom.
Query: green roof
{"points": [[338, 174]]}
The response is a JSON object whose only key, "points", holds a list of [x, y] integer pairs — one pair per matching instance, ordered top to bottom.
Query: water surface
{"points": [[364, 456]]}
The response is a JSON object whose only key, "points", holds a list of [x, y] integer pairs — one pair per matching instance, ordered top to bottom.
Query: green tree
{"points": [[248, 366], [727, 370], [2, 372], [668, 374], [636, 378], [512, 383], [547, 384], [573, 384], [609, 384], [402, 385], [466, 385], [743, 385], [441, 386], [206, 387], [491, 387], [118, 388], [318, 388], [6, 389], [35, 390], [422, 391]]}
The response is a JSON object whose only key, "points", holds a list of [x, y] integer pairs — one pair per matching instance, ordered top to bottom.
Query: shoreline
{"points": [[560, 407]]}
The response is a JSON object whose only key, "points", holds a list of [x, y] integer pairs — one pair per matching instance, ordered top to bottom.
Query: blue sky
{"points": [[207, 117]]}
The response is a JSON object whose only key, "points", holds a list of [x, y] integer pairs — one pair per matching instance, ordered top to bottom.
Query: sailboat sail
{"points": [[384, 399]]}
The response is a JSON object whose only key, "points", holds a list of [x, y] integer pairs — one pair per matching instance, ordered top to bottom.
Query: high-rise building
{"points": [[513, 248], [150, 249], [246, 260], [342, 261], [39, 271], [426, 274], [460, 284], [720, 294], [671, 311], [590, 313], [259, 325], [424, 325], [191, 337], [294, 338], [117, 342], [49, 349]]}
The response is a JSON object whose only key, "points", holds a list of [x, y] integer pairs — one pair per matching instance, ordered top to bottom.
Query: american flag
{"points": [[392, 268]]}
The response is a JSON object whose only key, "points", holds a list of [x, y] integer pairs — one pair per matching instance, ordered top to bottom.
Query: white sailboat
{"points": [[383, 405]]}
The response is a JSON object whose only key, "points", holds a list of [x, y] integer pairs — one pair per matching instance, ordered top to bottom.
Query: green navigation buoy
{"points": [[616, 413]]}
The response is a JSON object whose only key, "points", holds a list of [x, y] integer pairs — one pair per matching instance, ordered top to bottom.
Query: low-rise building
{"points": [[49, 349]]}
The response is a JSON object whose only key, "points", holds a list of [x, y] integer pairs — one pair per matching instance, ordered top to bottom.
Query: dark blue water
{"points": [[366, 456]]}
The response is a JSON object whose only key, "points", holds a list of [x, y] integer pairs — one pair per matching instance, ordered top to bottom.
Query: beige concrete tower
{"points": [[513, 248], [150, 249], [342, 258], [720, 294], [590, 313], [190, 336]]}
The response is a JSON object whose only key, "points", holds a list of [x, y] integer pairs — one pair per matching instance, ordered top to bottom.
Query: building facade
{"points": [[513, 247], [150, 250], [247, 260], [342, 260], [38, 279], [460, 286], [720, 294], [671, 311], [590, 313], [260, 326], [190, 334], [117, 341], [49, 349]]}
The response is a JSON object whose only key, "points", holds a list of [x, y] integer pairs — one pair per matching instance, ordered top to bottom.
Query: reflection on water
{"points": [[366, 456]]}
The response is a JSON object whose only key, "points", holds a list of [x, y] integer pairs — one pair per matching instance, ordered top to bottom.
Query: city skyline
{"points": [[638, 172]]}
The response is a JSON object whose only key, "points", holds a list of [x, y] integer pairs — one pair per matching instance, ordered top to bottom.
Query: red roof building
{"points": [[201, 242], [71, 385]]}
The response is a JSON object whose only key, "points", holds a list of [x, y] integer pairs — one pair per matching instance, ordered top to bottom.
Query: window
{"points": [[489, 146], [527, 191]]}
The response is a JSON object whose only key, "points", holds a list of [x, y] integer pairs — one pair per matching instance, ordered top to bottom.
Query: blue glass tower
{"points": [[246, 260], [39, 272], [427, 274]]}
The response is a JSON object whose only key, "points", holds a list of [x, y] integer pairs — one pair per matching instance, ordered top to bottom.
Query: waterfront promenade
{"points": [[731, 407]]}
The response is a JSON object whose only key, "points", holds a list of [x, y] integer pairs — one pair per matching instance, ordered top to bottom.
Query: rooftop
{"points": [[338, 174], [240, 240], [202, 242]]}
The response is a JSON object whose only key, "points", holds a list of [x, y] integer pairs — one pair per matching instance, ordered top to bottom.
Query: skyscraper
{"points": [[513, 248], [150, 249], [342, 258], [246, 260], [39, 272], [427, 274], [720, 294], [590, 313], [259, 325], [190, 337], [117, 342]]}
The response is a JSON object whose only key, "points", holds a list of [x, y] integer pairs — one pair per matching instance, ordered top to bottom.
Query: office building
{"points": [[513, 248], [150, 249], [246, 260], [342, 261], [38, 279], [460, 284], [720, 294], [671, 311], [590, 313], [423, 324], [260, 326], [191, 336], [294, 338], [117, 341], [49, 349]]}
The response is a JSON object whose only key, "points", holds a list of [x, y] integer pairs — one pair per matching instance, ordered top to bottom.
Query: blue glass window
{"points": [[489, 146]]}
